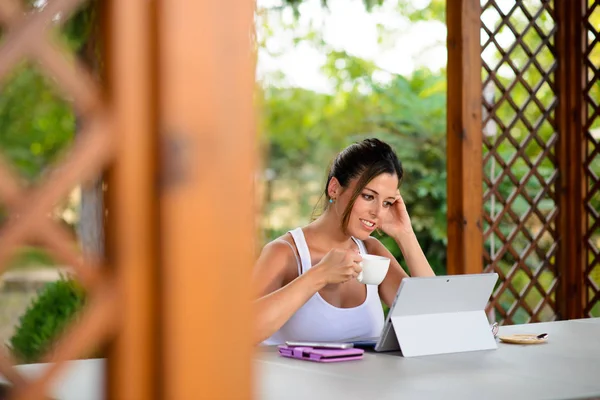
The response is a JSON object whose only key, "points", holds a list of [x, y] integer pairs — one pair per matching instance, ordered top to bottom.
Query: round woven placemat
{"points": [[522, 339]]}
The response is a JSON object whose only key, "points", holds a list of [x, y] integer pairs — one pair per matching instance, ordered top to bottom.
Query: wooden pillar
{"points": [[569, 114], [464, 165], [207, 214], [132, 226]]}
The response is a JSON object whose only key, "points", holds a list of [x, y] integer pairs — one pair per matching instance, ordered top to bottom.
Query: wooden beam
{"points": [[570, 146], [464, 152], [207, 222], [132, 225]]}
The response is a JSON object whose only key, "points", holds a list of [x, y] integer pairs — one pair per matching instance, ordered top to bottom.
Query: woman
{"points": [[306, 278]]}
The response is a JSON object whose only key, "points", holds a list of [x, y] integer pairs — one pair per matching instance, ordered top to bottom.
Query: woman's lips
{"points": [[368, 225]]}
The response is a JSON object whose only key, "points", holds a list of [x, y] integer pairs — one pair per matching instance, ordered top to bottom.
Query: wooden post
{"points": [[569, 114], [464, 166], [132, 198], [207, 213]]}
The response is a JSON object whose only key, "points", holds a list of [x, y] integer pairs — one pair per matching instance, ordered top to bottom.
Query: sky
{"points": [[346, 25]]}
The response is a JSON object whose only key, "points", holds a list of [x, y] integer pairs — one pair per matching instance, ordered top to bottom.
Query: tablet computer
{"points": [[439, 314]]}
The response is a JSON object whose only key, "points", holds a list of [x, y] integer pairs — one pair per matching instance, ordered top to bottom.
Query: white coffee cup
{"points": [[374, 269]]}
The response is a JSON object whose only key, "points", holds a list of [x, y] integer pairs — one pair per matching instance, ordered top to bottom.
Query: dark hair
{"points": [[364, 160]]}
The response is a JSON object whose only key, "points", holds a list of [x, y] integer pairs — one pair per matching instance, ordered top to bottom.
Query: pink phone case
{"points": [[321, 355]]}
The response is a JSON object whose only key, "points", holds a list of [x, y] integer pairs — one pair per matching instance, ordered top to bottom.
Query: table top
{"points": [[566, 366], [78, 379]]}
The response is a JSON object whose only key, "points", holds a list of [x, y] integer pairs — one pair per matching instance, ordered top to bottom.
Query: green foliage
{"points": [[369, 4], [434, 11], [79, 27], [412, 119], [36, 124], [305, 129], [30, 257], [56, 305]]}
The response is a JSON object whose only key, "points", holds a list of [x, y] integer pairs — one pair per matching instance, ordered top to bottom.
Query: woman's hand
{"points": [[397, 221], [339, 266]]}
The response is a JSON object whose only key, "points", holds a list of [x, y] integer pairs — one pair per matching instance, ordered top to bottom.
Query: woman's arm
{"points": [[398, 226], [413, 254], [277, 303]]}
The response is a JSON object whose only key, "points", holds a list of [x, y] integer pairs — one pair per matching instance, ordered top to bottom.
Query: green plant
{"points": [[305, 129], [56, 305]]}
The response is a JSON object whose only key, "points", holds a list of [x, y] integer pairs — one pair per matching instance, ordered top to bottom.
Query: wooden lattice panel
{"points": [[29, 36], [591, 162], [520, 166]]}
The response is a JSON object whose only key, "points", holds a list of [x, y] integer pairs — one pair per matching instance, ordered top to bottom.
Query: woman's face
{"points": [[371, 206]]}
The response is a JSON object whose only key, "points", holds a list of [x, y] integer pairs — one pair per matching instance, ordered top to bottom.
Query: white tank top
{"points": [[317, 320]]}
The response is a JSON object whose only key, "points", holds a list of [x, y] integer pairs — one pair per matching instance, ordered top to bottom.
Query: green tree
{"points": [[37, 124], [304, 130]]}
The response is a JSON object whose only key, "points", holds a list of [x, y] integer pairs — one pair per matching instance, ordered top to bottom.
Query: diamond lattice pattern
{"points": [[28, 35], [591, 164], [520, 166]]}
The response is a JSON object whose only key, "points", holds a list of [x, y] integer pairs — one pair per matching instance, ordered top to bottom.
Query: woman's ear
{"points": [[334, 188]]}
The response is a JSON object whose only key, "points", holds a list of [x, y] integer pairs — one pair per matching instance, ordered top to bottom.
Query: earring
{"points": [[331, 200]]}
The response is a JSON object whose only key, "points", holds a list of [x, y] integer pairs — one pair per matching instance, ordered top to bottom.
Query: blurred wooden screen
{"points": [[30, 34], [539, 99], [171, 127]]}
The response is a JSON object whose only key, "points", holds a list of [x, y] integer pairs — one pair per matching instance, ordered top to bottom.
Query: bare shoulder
{"points": [[279, 249], [276, 266]]}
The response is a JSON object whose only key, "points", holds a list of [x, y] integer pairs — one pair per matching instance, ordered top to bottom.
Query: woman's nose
{"points": [[375, 210]]}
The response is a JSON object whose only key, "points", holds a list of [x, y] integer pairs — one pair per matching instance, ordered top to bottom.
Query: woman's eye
{"points": [[367, 197], [387, 204]]}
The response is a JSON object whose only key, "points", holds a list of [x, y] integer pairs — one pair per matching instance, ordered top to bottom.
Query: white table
{"points": [[567, 366], [77, 380]]}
